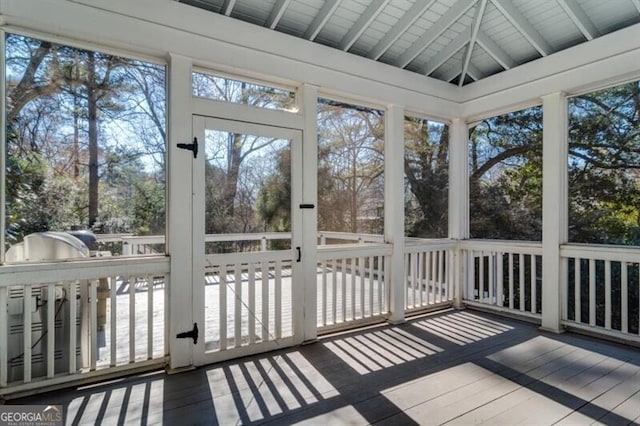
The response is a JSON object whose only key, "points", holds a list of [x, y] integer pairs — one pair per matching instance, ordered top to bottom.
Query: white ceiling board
{"points": [[404, 32]]}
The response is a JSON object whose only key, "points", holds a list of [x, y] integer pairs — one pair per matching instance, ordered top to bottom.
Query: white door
{"points": [[247, 294]]}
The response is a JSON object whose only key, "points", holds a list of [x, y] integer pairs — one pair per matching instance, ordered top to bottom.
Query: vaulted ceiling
{"points": [[458, 41]]}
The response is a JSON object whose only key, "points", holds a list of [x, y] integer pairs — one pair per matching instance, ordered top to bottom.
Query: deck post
{"points": [[308, 98], [458, 201], [554, 207], [394, 209], [179, 217]]}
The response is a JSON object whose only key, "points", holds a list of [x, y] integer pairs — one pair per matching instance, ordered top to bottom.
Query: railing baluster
{"points": [[441, 259], [343, 267], [323, 270], [361, 270], [414, 273], [471, 275], [420, 277], [481, 277], [429, 278], [491, 278], [407, 279], [500, 279], [521, 279], [167, 283], [371, 283], [511, 284], [534, 284], [381, 286], [353, 288], [577, 290], [334, 291], [72, 292], [592, 292], [607, 294], [624, 295], [278, 300], [222, 301], [265, 301], [252, 302], [237, 314], [150, 316], [132, 319], [93, 323], [51, 329], [113, 331], [27, 333], [4, 367]]}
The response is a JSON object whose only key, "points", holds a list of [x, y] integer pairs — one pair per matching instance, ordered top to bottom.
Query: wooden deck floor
{"points": [[457, 367]]}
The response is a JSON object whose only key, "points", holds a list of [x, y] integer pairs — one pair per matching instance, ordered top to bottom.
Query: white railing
{"points": [[130, 245], [428, 266], [503, 276], [352, 284], [602, 291], [248, 299], [68, 320]]}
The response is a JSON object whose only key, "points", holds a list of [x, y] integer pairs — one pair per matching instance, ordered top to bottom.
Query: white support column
{"points": [[309, 105], [3, 147], [458, 200], [554, 207], [394, 208], [179, 215]]}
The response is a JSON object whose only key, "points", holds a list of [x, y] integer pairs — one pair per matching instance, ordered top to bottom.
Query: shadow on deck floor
{"points": [[456, 367]]}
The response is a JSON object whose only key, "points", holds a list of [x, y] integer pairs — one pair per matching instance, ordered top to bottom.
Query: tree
{"points": [[74, 118], [351, 148], [426, 166]]}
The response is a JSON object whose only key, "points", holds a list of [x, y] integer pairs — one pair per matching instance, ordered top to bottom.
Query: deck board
{"points": [[482, 370]]}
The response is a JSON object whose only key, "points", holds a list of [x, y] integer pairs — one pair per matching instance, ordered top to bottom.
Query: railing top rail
{"points": [[370, 238], [417, 244], [504, 246], [336, 251], [601, 252], [79, 269]]}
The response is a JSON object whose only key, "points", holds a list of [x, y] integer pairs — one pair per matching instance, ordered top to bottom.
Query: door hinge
{"points": [[191, 147], [190, 334]]}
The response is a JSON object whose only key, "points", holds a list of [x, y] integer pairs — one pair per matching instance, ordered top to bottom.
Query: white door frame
{"points": [[200, 125]]}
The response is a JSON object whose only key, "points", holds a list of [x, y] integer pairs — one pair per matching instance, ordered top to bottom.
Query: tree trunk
{"points": [[92, 108], [233, 172]]}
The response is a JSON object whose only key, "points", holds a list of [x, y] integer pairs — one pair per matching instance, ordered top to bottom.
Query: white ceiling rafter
{"points": [[227, 7], [480, 8], [328, 9], [276, 13], [407, 20], [582, 21], [362, 23], [523, 26], [436, 30], [417, 34], [495, 51], [443, 56], [474, 72]]}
